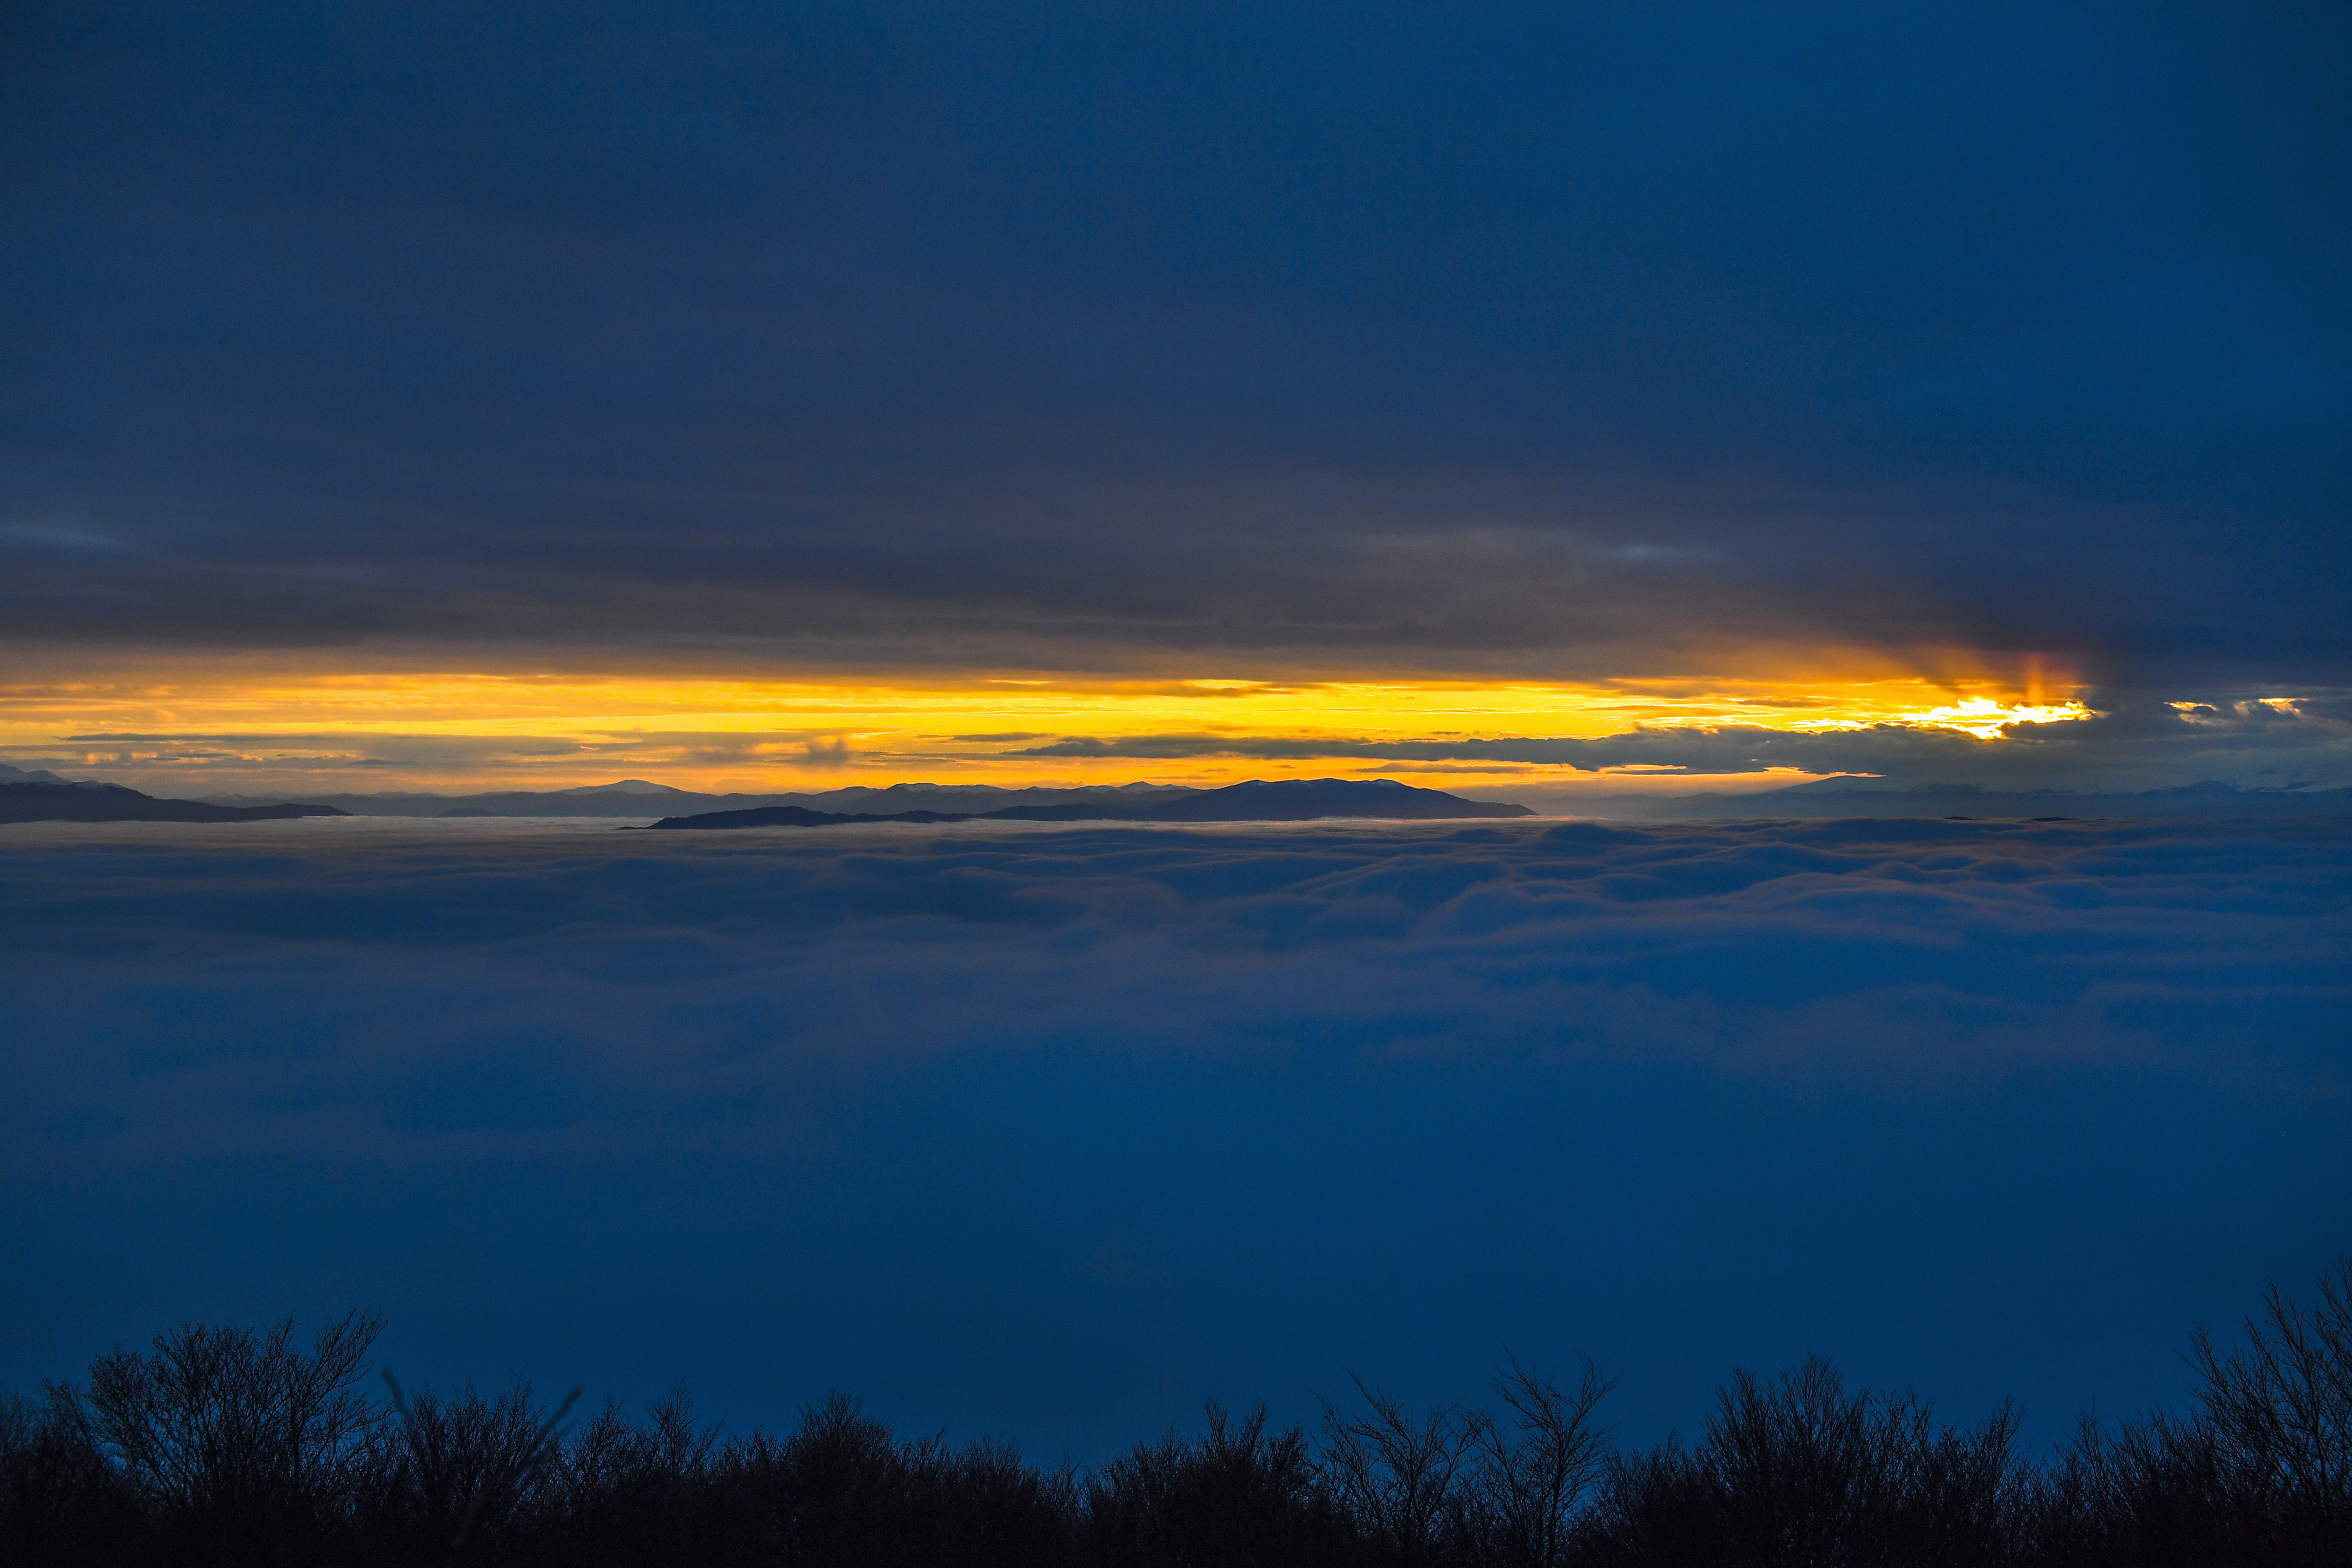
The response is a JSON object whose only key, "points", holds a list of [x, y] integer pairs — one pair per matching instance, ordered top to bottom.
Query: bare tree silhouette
{"points": [[242, 1439], [241, 1445], [1536, 1462], [460, 1466], [2259, 1471], [1799, 1473], [1406, 1476], [1238, 1495]]}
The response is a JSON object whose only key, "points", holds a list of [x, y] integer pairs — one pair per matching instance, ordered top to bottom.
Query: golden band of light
{"points": [[475, 730]]}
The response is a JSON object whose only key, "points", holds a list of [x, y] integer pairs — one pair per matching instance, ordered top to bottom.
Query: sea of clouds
{"points": [[1056, 1133]]}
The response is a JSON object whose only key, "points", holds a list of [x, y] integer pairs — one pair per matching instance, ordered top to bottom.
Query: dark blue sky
{"points": [[1071, 336]]}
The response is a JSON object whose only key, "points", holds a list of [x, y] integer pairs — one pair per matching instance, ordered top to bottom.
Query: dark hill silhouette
{"points": [[638, 798], [1304, 799], [1287, 800], [112, 803], [801, 817]]}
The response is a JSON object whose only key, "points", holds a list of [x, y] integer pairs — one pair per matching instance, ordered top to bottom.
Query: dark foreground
{"points": [[237, 1446]]}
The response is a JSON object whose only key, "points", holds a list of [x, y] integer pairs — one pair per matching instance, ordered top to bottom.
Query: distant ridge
{"points": [[638, 798], [1285, 800], [1305, 800], [1290, 801], [60, 802]]}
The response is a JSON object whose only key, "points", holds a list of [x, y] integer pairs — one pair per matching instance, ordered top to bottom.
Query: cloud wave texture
{"points": [[1064, 1129]]}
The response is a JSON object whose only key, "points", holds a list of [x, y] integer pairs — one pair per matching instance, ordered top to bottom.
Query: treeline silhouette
{"points": [[245, 1446]]}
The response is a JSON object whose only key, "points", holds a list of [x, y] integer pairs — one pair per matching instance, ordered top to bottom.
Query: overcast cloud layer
{"points": [[1521, 339], [1059, 1132]]}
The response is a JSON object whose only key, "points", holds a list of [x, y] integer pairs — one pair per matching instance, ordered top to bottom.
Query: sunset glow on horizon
{"points": [[472, 729]]}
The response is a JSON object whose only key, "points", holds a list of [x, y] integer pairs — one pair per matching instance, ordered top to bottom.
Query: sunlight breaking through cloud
{"points": [[1983, 717]]}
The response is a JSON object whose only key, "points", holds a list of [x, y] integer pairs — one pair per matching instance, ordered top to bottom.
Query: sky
{"points": [[1526, 399], [1055, 1133]]}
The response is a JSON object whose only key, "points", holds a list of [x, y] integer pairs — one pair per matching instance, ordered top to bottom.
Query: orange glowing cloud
{"points": [[249, 722]]}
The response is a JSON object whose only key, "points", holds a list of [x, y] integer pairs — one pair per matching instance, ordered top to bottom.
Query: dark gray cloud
{"points": [[1514, 337], [2143, 743], [1054, 1131]]}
